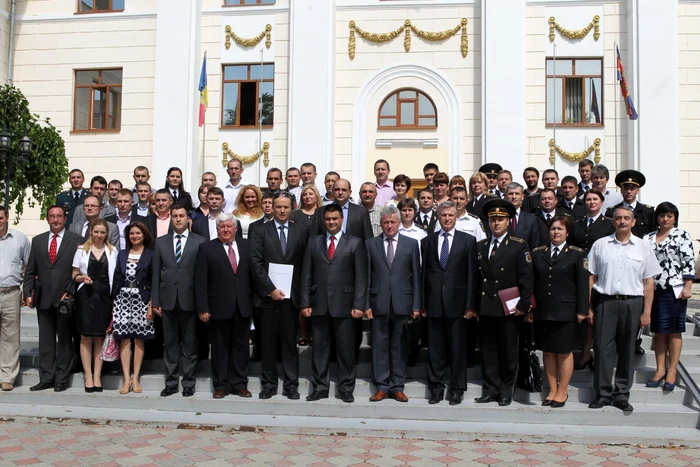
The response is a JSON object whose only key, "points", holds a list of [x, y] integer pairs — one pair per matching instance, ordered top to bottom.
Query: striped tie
{"points": [[178, 249]]}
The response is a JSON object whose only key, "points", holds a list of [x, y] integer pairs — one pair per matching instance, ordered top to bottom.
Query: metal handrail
{"points": [[685, 375]]}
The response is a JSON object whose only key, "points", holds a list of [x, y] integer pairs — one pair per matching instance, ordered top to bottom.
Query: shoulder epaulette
{"points": [[650, 207], [473, 215], [483, 240], [520, 240], [540, 248], [575, 248]]}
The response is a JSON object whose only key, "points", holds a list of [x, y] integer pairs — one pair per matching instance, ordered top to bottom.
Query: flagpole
{"points": [[260, 94], [615, 94], [554, 106], [204, 134]]}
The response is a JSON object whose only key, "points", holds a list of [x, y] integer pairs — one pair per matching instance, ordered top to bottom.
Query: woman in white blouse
{"points": [[402, 185], [248, 207], [408, 208], [93, 271], [673, 287]]}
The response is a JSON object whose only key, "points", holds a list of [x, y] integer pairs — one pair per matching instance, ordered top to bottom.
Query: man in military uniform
{"points": [[491, 170], [630, 181], [70, 199], [504, 263]]}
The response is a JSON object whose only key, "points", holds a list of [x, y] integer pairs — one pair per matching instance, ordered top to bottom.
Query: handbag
{"points": [[67, 305], [110, 349], [529, 369]]}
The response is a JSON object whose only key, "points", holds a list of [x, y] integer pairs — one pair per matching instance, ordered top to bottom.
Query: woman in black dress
{"points": [[173, 183], [310, 201], [93, 272], [561, 293]]}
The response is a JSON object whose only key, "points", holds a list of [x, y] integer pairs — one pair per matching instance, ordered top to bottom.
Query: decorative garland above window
{"points": [[407, 27], [578, 34], [251, 42], [228, 154], [575, 156]]}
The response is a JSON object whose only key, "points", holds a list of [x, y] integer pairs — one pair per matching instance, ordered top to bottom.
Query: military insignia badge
{"points": [[528, 257], [585, 264]]}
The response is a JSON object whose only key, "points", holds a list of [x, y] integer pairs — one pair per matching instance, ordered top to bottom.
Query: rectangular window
{"points": [[248, 2], [100, 6], [575, 91], [248, 96], [98, 100]]}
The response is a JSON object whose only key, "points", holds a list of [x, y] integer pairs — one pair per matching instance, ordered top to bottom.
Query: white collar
{"points": [[450, 233], [183, 234], [499, 239], [561, 247]]}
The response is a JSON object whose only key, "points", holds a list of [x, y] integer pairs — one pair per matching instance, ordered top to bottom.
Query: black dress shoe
{"points": [[41, 386], [60, 387], [98, 388], [168, 391], [187, 392], [266, 393], [291, 393], [317, 395], [346, 397], [435, 398], [455, 399], [486, 399], [504, 401], [546, 402], [598, 403], [558, 405], [623, 405]]}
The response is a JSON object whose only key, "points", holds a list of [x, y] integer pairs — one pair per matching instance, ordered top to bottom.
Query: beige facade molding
{"points": [[406, 28], [574, 34], [249, 42], [389, 143], [228, 154], [575, 156]]}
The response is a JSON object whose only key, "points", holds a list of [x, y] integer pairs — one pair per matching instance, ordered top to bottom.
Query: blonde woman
{"points": [[310, 200], [248, 207], [93, 271]]}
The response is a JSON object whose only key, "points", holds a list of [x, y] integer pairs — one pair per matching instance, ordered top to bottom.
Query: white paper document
{"points": [[281, 276], [677, 289], [511, 304]]}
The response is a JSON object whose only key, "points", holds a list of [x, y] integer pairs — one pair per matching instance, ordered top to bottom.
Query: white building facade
{"points": [[341, 83]]}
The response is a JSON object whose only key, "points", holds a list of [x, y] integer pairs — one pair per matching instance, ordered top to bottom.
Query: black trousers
{"points": [[326, 329], [202, 330], [279, 330], [499, 342], [447, 345], [154, 347], [389, 351], [180, 352], [230, 352], [55, 356]]}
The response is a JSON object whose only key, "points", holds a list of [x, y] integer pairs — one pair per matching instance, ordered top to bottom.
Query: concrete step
{"points": [[581, 391], [666, 415]]}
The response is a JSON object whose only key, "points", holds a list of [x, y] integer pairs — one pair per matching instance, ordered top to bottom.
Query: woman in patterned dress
{"points": [[673, 287], [133, 316]]}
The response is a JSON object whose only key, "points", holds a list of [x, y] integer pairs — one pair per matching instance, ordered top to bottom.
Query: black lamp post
{"points": [[25, 148]]}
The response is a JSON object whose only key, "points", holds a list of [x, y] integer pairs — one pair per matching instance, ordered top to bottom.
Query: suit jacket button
{"points": [[484, 280], [496, 282], [483, 293], [549, 293]]}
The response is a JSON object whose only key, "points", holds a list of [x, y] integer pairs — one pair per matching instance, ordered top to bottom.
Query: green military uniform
{"points": [[68, 201]]}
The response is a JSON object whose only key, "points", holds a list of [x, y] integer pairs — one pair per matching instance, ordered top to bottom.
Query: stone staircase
{"points": [[658, 418]]}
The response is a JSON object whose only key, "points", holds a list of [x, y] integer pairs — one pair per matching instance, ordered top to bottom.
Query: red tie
{"points": [[331, 247], [52, 249], [232, 258]]}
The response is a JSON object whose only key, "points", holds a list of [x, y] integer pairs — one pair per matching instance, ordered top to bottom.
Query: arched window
{"points": [[407, 108]]}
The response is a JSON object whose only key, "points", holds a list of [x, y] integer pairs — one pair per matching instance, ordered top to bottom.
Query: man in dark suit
{"points": [[584, 172], [274, 184], [98, 188], [69, 200], [569, 201], [547, 208], [91, 209], [268, 213], [426, 218], [356, 221], [523, 224], [278, 242], [504, 263], [46, 278], [222, 288], [334, 290], [450, 292], [394, 295], [172, 298]]}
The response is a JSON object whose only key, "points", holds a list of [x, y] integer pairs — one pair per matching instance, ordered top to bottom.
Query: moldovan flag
{"points": [[203, 93], [631, 112]]}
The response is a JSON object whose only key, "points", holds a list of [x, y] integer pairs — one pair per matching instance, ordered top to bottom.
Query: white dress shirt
{"points": [[231, 194], [612, 198], [470, 224], [212, 227], [286, 229], [413, 232], [58, 239], [337, 239], [183, 240], [385, 242], [500, 242], [552, 246], [235, 250], [622, 267]]}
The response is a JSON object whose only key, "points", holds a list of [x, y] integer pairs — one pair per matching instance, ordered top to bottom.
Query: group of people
{"points": [[485, 260]]}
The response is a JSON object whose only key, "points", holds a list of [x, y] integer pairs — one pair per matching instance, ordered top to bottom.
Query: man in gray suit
{"points": [[98, 188], [91, 209], [46, 278], [333, 294], [394, 294], [172, 297]]}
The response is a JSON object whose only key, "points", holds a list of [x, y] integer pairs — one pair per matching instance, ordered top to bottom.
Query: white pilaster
{"points": [[653, 82], [311, 83], [503, 84], [176, 99]]}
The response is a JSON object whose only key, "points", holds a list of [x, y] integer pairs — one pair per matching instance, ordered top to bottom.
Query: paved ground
{"points": [[76, 442]]}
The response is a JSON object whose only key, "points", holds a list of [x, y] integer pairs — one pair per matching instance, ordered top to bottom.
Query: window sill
{"points": [[250, 4], [98, 12], [575, 125], [256, 127], [82, 132], [424, 143]]}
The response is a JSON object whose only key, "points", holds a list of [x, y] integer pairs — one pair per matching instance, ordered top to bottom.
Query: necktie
{"points": [[586, 188], [174, 195], [76, 196], [571, 206], [549, 216], [590, 221], [425, 222], [514, 224], [87, 232], [283, 240], [331, 247], [53, 248], [178, 248], [445, 250], [493, 250], [390, 251], [555, 252], [232, 258]]}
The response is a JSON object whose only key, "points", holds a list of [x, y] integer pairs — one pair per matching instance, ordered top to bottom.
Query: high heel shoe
{"points": [[582, 366], [652, 383], [669, 386], [136, 387], [97, 388], [126, 389], [89, 390], [547, 402], [557, 404]]}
